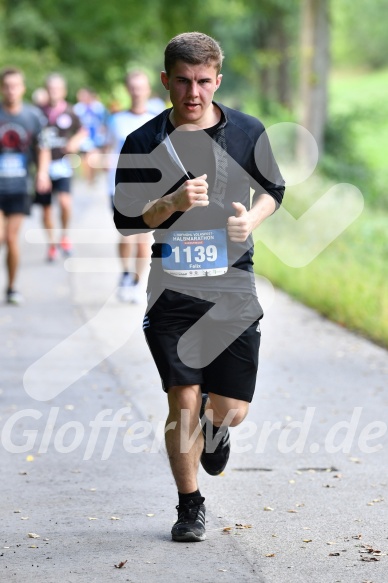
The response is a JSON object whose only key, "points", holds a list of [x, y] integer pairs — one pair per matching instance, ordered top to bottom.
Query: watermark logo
{"points": [[111, 428]]}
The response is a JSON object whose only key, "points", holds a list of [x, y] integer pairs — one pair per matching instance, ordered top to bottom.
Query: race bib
{"points": [[13, 165], [60, 169], [195, 253]]}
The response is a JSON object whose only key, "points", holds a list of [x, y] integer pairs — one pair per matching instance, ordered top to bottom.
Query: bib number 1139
{"points": [[195, 253]]}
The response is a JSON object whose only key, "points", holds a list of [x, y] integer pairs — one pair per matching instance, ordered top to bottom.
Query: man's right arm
{"points": [[192, 193], [134, 212]]}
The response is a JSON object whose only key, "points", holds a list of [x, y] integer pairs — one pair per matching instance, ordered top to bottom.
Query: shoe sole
{"points": [[188, 537]]}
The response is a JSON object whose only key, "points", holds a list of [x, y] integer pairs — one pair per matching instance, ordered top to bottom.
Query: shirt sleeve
{"points": [[265, 171], [131, 194]]}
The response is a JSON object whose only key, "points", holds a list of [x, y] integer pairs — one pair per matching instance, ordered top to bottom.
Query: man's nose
{"points": [[193, 89]]}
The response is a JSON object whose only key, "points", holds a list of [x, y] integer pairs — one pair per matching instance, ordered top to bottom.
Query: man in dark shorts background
{"points": [[65, 135], [20, 144], [202, 321]]}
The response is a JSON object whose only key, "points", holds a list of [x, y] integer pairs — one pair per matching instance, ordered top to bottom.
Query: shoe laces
{"points": [[188, 512]]}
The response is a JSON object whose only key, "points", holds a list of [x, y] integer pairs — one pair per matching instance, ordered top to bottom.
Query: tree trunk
{"points": [[314, 72], [283, 87]]}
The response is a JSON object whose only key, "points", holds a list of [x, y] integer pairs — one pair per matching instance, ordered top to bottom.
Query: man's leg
{"points": [[64, 200], [65, 205], [48, 222], [12, 230], [125, 247], [137, 247], [143, 252], [127, 279], [184, 405], [224, 411], [217, 414], [184, 442]]}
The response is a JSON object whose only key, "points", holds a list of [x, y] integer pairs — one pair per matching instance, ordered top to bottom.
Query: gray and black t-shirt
{"points": [[19, 135]]}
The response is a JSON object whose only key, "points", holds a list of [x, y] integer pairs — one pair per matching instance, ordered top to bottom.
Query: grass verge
{"points": [[347, 281]]}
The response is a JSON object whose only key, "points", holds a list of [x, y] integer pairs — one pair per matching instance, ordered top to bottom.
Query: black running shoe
{"points": [[216, 449], [190, 526]]}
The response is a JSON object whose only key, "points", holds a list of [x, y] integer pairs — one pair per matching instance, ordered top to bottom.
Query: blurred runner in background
{"points": [[40, 97], [93, 116], [119, 126], [65, 134], [21, 143]]}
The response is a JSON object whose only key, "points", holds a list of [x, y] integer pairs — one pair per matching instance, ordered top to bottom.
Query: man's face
{"points": [[139, 88], [13, 89], [56, 89], [191, 91]]}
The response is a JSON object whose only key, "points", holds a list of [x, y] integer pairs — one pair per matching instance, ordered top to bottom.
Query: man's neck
{"points": [[57, 104], [13, 108], [138, 108], [210, 119]]}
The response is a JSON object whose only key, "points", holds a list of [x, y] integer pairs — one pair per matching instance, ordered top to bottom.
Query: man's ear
{"points": [[164, 80], [218, 81]]}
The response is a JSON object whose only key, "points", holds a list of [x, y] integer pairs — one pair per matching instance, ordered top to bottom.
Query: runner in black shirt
{"points": [[192, 186]]}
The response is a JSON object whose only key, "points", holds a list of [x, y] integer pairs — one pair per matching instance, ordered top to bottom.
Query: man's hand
{"points": [[72, 146], [42, 182], [192, 193], [239, 226]]}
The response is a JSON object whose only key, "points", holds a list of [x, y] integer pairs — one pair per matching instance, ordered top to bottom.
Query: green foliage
{"points": [[29, 30], [359, 32], [99, 40], [358, 102], [342, 161], [347, 281]]}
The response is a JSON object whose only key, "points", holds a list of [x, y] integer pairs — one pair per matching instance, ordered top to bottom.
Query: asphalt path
{"points": [[85, 478]]}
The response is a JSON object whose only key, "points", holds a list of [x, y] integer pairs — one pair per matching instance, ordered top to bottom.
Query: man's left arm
{"points": [[73, 144], [42, 179], [268, 185], [244, 222]]}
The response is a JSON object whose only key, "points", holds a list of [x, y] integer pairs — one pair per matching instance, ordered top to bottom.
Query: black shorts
{"points": [[59, 185], [15, 204], [220, 353]]}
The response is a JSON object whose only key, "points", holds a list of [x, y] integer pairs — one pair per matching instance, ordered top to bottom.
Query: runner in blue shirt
{"points": [[93, 116]]}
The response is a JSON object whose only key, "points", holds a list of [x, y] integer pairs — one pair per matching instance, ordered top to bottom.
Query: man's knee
{"points": [[64, 199], [12, 233], [184, 397], [230, 412], [239, 415]]}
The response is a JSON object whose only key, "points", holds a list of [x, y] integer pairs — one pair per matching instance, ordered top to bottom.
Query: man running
{"points": [[93, 117], [120, 125], [65, 135], [20, 144], [202, 321]]}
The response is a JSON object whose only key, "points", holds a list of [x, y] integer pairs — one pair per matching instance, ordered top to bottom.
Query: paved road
{"points": [[309, 497]]}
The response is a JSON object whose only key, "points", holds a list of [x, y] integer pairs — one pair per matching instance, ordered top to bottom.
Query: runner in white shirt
{"points": [[119, 126]]}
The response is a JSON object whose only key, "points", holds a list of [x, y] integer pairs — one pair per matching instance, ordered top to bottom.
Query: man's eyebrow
{"points": [[187, 79]]}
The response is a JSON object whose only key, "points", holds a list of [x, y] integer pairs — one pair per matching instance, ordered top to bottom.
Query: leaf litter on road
{"points": [[121, 564]]}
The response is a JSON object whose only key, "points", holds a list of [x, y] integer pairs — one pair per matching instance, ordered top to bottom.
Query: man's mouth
{"points": [[192, 106]]}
